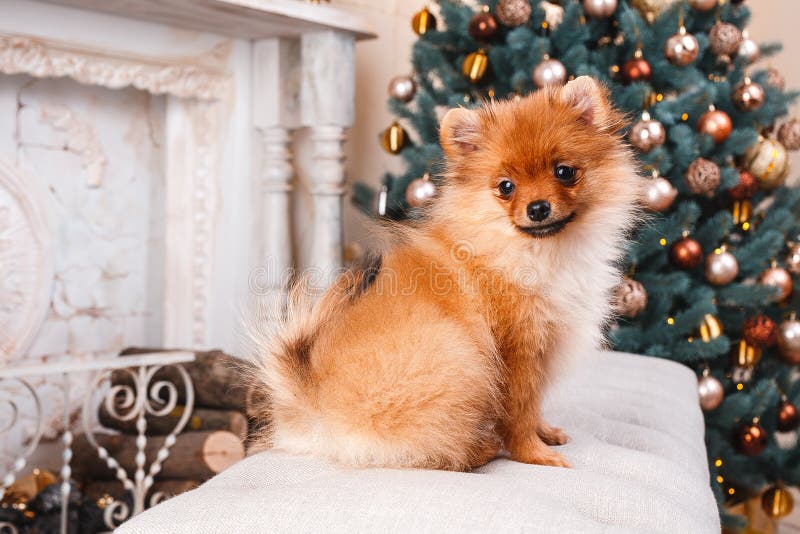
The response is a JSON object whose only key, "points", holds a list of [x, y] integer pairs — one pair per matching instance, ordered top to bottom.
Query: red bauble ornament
{"points": [[482, 26], [636, 70], [716, 124], [746, 187], [686, 253], [760, 330], [788, 416], [751, 439]]}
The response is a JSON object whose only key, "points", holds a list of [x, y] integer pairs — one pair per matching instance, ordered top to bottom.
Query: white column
{"points": [[327, 95]]}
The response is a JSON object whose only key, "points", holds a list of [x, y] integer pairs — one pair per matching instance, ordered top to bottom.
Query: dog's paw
{"points": [[552, 435], [539, 454]]}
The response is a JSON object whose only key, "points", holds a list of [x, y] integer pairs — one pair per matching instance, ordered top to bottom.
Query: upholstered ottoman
{"points": [[637, 450]]}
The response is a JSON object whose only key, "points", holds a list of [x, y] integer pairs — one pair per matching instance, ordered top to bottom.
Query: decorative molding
{"points": [[42, 59], [81, 139], [26, 261]]}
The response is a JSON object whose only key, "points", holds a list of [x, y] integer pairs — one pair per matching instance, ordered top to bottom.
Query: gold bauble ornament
{"points": [[650, 9], [513, 12], [423, 21], [724, 38], [682, 48], [475, 65], [549, 72], [748, 95], [647, 133], [789, 134], [394, 138], [768, 161], [702, 176], [420, 191], [660, 194], [741, 211], [792, 261], [721, 267], [778, 278], [630, 298], [710, 328], [789, 340], [745, 354], [710, 391], [777, 502]]}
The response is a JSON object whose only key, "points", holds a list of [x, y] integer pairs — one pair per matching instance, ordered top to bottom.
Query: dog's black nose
{"points": [[538, 210]]}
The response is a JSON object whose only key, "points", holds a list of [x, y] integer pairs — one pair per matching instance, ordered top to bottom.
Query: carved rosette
{"points": [[26, 261]]}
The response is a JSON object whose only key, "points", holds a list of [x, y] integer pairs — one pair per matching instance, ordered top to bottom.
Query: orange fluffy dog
{"points": [[436, 354]]}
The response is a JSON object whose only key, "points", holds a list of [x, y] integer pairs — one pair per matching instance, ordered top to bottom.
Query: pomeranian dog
{"points": [[436, 353]]}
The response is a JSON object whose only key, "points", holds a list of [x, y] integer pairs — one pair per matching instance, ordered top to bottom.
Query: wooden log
{"points": [[218, 378], [201, 419], [194, 456], [98, 488]]}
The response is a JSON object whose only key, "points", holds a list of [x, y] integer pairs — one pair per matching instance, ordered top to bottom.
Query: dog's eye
{"points": [[565, 174], [506, 187]]}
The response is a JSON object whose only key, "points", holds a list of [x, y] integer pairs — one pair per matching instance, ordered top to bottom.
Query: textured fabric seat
{"points": [[637, 450]]}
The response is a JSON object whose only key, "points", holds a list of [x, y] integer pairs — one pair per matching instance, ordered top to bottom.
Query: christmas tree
{"points": [[713, 276]]}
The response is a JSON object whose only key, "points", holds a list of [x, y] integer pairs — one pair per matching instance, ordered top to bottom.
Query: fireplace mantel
{"points": [[238, 78]]}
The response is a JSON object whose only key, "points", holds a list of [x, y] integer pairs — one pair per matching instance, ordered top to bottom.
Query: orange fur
{"points": [[438, 354]]}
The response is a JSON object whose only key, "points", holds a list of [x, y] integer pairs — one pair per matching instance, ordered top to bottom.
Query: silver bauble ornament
{"points": [[703, 5], [599, 9], [513, 12], [724, 38], [682, 48], [748, 50], [549, 72], [402, 88], [748, 95], [647, 133], [789, 134], [768, 161], [702, 176], [420, 191], [660, 194], [792, 261], [721, 267], [779, 279], [630, 298], [789, 340], [710, 391]]}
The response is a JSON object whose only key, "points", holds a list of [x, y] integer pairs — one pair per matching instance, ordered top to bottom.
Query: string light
{"points": [[662, 242], [670, 321]]}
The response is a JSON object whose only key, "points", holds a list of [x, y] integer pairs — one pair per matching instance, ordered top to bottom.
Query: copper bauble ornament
{"points": [[703, 5], [600, 9], [650, 9], [513, 12], [423, 21], [482, 26], [724, 38], [681, 48], [748, 50], [475, 65], [636, 69], [549, 72], [776, 79], [402, 88], [748, 95], [716, 124], [647, 133], [789, 134], [394, 138], [768, 161], [702, 176], [746, 187], [420, 191], [660, 194], [741, 211], [686, 253], [792, 261], [721, 267], [780, 279], [630, 298], [710, 328], [760, 330], [789, 341], [745, 355], [710, 391], [788, 416], [751, 438], [777, 502]]}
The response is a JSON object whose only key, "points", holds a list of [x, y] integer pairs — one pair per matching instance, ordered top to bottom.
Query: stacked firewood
{"points": [[214, 437]]}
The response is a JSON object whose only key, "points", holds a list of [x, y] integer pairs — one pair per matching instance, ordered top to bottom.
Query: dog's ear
{"points": [[590, 98], [459, 132]]}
